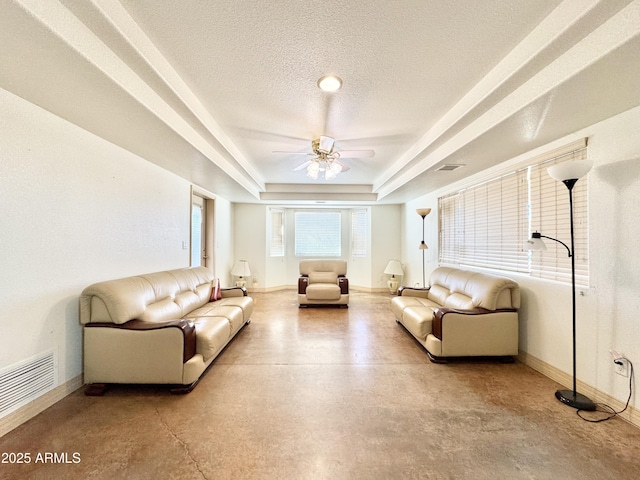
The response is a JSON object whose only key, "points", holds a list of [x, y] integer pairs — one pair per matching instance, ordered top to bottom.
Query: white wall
{"points": [[75, 210], [386, 228], [251, 240], [224, 245], [607, 312]]}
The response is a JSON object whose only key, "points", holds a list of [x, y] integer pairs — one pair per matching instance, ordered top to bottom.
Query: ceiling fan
{"points": [[326, 160]]}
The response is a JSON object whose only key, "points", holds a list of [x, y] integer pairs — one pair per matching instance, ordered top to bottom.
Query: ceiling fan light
{"points": [[329, 83], [336, 168], [313, 169]]}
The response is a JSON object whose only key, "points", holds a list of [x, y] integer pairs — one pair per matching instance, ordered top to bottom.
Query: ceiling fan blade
{"points": [[292, 152], [356, 153], [304, 165], [343, 165]]}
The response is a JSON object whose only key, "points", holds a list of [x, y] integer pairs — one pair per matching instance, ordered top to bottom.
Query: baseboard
{"points": [[631, 415], [20, 416]]}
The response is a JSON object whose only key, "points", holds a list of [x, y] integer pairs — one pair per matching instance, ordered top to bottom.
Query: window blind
{"points": [[550, 215], [487, 225], [359, 229], [277, 233], [317, 234]]}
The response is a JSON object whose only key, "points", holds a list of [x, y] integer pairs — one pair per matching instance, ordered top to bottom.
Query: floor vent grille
{"points": [[23, 382]]}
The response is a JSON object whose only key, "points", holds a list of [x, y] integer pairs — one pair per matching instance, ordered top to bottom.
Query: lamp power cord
{"points": [[603, 407]]}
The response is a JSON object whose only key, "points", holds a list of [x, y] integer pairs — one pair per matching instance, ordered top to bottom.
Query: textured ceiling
{"points": [[210, 89]]}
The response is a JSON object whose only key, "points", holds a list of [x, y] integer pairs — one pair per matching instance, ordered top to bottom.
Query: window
{"points": [[487, 225], [359, 230], [277, 233], [317, 234]]}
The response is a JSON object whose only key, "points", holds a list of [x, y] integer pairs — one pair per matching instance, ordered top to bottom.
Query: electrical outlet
{"points": [[621, 367]]}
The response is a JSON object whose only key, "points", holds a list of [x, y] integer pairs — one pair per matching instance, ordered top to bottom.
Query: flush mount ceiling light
{"points": [[329, 83]]}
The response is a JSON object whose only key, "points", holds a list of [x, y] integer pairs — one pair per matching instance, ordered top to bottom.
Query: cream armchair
{"points": [[323, 282]]}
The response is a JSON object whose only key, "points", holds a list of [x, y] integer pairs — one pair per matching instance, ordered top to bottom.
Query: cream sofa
{"points": [[323, 282], [461, 314], [159, 328]]}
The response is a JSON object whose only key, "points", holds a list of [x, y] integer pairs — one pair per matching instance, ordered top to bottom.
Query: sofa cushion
{"points": [[339, 267], [323, 277], [469, 289], [323, 291], [438, 294], [146, 297], [459, 301], [245, 303], [398, 304], [232, 313], [418, 320], [212, 334]]}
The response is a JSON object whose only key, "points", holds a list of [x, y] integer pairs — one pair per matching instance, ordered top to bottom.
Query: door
{"points": [[198, 231]]}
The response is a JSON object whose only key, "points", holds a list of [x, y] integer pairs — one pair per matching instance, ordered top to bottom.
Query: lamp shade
{"points": [[570, 170], [423, 212], [535, 242], [394, 267], [241, 269]]}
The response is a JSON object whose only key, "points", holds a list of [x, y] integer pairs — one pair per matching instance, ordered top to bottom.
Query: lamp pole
{"points": [[568, 173], [423, 212], [572, 397]]}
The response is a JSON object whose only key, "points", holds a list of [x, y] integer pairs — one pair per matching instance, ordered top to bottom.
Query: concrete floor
{"points": [[329, 394]]}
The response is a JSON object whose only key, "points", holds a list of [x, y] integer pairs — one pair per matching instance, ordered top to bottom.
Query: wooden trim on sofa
{"points": [[303, 282], [343, 283], [403, 288], [188, 331]]}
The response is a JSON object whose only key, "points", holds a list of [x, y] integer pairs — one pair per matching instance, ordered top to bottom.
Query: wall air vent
{"points": [[448, 168], [23, 382]]}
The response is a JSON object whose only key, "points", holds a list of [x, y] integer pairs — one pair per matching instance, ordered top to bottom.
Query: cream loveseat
{"points": [[323, 282], [461, 314], [159, 328]]}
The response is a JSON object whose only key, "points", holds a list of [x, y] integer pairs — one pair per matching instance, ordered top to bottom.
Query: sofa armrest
{"points": [[303, 282], [343, 283], [233, 292], [413, 292], [439, 316], [186, 326]]}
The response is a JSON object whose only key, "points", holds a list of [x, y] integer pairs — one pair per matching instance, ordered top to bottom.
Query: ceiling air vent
{"points": [[448, 168]]}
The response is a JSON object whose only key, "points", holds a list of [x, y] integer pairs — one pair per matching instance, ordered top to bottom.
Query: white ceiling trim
{"points": [[120, 19], [66, 26], [552, 27], [618, 30]]}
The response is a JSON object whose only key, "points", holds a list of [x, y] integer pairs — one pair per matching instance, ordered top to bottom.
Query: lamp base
{"points": [[575, 400]]}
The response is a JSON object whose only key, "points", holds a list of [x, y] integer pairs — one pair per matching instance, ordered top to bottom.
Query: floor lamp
{"points": [[568, 173], [423, 212]]}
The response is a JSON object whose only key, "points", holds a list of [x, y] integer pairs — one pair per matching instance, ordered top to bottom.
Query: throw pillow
{"points": [[216, 293]]}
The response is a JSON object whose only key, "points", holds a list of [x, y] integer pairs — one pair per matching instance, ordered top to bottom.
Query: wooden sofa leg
{"points": [[95, 389], [182, 389]]}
